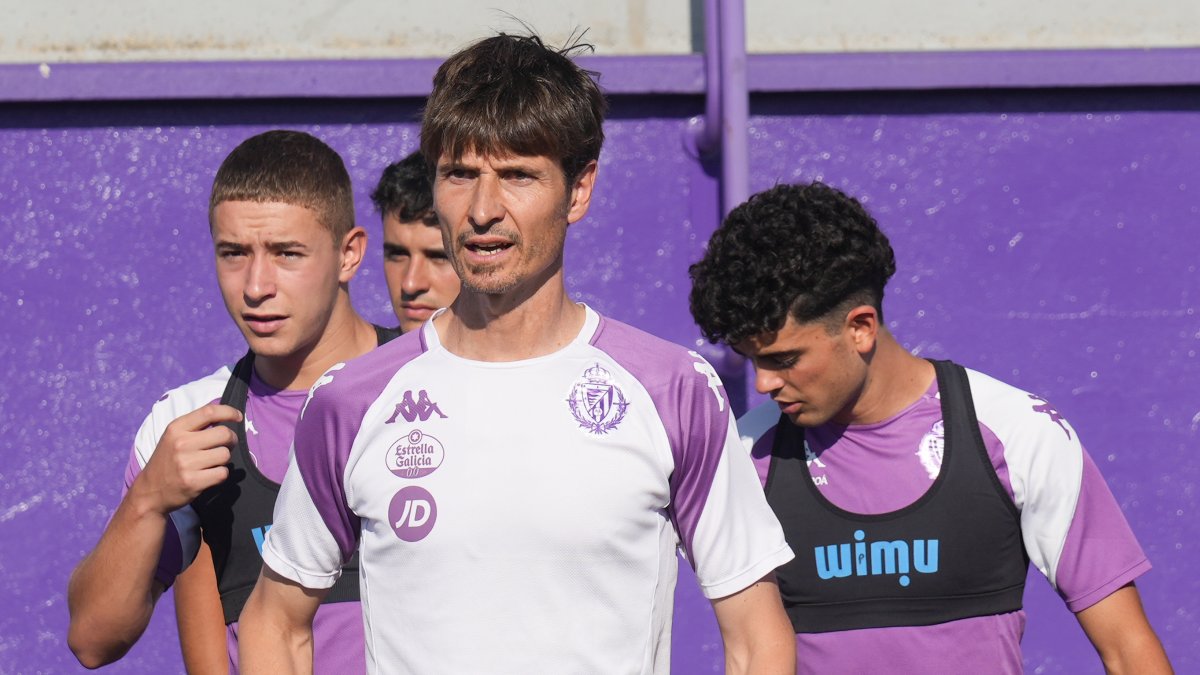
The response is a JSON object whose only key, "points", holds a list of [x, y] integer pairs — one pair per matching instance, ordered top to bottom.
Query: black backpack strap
{"points": [[385, 335]]}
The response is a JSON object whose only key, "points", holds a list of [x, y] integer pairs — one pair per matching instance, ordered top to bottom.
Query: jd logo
{"points": [[411, 410], [412, 513]]}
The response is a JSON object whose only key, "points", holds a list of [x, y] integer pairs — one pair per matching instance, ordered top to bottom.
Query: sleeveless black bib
{"points": [[236, 514], [954, 553]]}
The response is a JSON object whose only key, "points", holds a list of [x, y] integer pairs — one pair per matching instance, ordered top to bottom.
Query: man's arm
{"points": [[112, 592], [200, 617], [275, 631], [1120, 632], [757, 634]]}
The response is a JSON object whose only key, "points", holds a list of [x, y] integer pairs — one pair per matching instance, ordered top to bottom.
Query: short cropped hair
{"points": [[512, 94], [290, 167], [404, 191], [807, 250]]}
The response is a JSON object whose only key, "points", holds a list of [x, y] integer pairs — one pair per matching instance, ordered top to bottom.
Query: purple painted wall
{"points": [[1045, 237]]}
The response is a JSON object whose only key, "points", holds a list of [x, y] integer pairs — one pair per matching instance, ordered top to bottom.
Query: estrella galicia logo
{"points": [[597, 404], [422, 408], [417, 454], [412, 513], [260, 536], [886, 557]]}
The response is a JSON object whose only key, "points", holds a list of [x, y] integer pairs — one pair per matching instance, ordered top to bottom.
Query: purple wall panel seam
{"points": [[656, 74]]}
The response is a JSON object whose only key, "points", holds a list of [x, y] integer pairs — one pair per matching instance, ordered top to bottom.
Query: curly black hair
{"points": [[404, 191], [802, 249]]}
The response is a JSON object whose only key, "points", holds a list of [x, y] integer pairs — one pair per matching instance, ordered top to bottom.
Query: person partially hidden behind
{"points": [[282, 222], [420, 278], [915, 493]]}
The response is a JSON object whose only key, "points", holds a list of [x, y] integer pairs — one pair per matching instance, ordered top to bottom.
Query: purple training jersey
{"points": [[270, 424], [1073, 530]]}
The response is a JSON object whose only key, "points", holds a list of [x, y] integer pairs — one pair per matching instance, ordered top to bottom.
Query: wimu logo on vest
{"points": [[422, 408], [874, 558]]}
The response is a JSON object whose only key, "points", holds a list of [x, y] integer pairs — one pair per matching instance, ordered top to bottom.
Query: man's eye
{"points": [[229, 254], [781, 362]]}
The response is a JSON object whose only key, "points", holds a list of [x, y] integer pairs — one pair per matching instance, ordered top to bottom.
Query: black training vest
{"points": [[235, 514], [954, 553]]}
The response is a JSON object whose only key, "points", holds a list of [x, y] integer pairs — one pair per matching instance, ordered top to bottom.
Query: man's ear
{"points": [[581, 193], [352, 249], [862, 326]]}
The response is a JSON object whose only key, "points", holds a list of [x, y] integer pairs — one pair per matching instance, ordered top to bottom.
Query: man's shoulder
{"points": [[648, 354], [357, 382], [195, 394], [176, 403], [1011, 412], [757, 423]]}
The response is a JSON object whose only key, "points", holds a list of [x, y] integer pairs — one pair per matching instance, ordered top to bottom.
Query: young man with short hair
{"points": [[420, 278], [209, 457], [520, 471], [915, 493]]}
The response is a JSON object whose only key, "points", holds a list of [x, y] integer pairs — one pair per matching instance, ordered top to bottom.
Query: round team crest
{"points": [[597, 404], [931, 448], [415, 455]]}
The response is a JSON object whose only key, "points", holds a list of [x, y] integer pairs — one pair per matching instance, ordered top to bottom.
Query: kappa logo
{"points": [[714, 381], [321, 382], [597, 403], [1043, 406], [420, 409], [811, 458]]}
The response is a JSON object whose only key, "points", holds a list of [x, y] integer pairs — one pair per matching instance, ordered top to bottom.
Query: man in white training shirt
{"points": [[519, 473]]}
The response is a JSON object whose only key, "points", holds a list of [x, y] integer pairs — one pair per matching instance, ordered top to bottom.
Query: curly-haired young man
{"points": [[520, 471], [914, 493]]}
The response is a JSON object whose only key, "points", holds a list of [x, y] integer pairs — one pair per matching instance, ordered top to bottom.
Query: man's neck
{"points": [[508, 327], [346, 336], [895, 380]]}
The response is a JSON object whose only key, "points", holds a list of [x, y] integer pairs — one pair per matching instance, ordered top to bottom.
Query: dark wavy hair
{"points": [[513, 94], [290, 167], [404, 191], [804, 250]]}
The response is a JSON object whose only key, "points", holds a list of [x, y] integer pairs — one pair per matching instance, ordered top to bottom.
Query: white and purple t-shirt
{"points": [[270, 423], [522, 517], [1072, 527]]}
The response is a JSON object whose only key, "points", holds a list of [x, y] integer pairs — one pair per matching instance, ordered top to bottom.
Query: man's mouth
{"points": [[488, 249], [264, 324]]}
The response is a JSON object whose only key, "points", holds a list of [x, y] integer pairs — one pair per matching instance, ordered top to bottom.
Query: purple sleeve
{"points": [[693, 409], [328, 426], [1101, 553]]}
